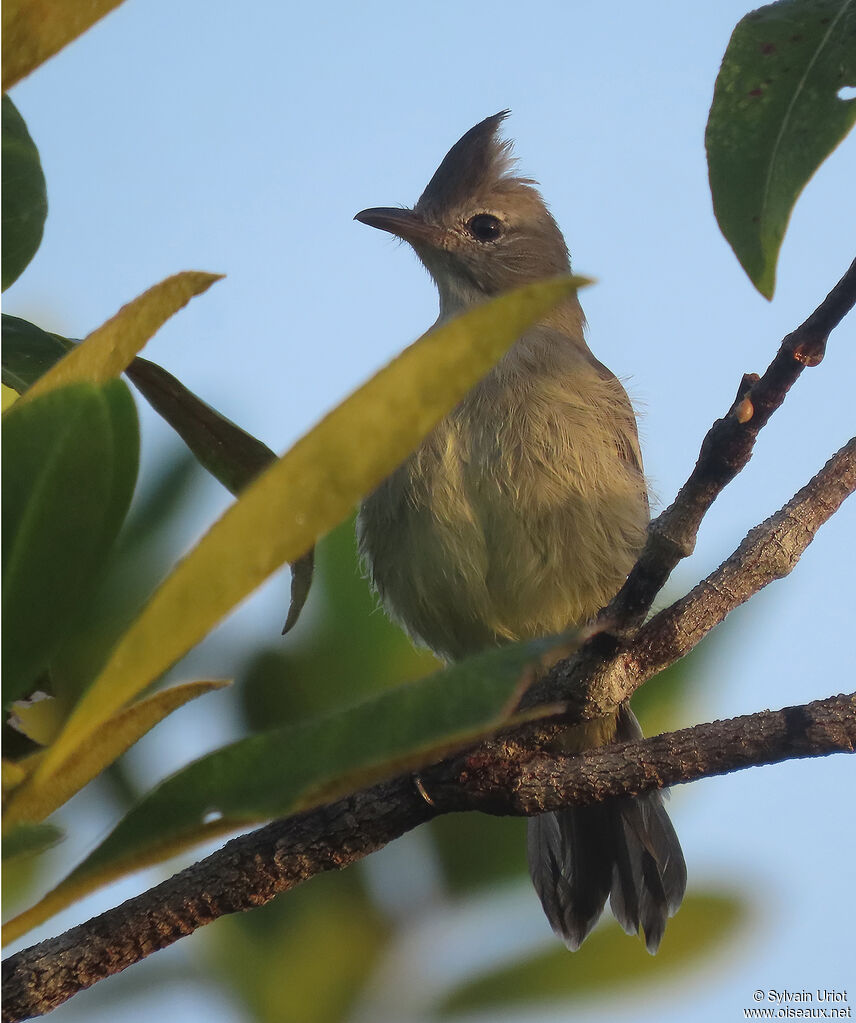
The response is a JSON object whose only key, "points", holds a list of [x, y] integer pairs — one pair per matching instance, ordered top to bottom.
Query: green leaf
{"points": [[34, 30], [775, 117], [25, 199], [107, 351], [29, 352], [230, 454], [69, 468], [303, 495], [142, 556], [125, 728], [280, 772], [30, 839], [477, 850], [306, 958], [608, 961]]}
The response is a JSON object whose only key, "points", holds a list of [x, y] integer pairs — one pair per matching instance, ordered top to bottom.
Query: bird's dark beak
{"points": [[403, 223]]}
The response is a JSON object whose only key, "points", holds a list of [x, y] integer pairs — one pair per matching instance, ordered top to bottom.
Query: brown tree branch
{"points": [[724, 452], [770, 551], [526, 781], [252, 869], [247, 872]]}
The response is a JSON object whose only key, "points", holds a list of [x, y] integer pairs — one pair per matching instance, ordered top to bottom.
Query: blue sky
{"points": [[186, 136]]}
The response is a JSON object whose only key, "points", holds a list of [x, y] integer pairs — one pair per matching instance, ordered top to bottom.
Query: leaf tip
{"points": [[765, 282]]}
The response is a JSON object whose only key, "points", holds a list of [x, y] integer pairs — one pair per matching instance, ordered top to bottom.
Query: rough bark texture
{"points": [[527, 782]]}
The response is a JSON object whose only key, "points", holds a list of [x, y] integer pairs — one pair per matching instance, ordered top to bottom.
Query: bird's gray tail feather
{"points": [[625, 849]]}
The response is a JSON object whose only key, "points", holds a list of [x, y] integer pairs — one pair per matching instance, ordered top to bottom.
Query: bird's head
{"points": [[478, 228]]}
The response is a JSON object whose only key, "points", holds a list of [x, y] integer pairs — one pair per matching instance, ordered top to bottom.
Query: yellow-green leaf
{"points": [[34, 30], [109, 349], [9, 398], [301, 497], [39, 717], [118, 735], [13, 773], [29, 840]]}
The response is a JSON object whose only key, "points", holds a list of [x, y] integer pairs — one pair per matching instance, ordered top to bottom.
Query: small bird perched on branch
{"points": [[522, 513]]}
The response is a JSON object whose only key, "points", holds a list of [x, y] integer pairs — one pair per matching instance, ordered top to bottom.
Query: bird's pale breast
{"points": [[522, 512]]}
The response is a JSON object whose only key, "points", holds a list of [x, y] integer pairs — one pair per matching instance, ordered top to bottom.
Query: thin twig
{"points": [[724, 452]]}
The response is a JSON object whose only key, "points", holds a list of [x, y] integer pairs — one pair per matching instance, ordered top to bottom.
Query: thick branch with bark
{"points": [[509, 774], [527, 782]]}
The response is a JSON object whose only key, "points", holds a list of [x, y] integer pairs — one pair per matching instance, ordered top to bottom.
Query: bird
{"points": [[521, 514]]}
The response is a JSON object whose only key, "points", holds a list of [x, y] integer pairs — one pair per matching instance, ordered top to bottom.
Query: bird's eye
{"points": [[484, 227]]}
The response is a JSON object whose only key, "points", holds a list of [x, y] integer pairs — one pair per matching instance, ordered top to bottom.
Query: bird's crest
{"points": [[473, 166]]}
